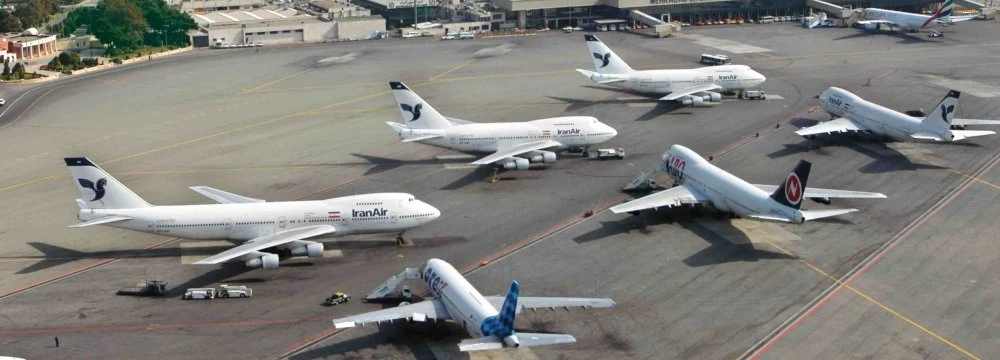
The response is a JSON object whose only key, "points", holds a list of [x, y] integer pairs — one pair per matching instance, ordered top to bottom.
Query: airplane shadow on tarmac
{"points": [[904, 38], [658, 109], [884, 158], [474, 175], [721, 249], [395, 338]]}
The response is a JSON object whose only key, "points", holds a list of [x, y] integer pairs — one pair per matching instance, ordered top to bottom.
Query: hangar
{"points": [[278, 26]]}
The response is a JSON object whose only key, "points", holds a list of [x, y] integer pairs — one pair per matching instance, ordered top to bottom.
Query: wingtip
{"points": [[590, 37], [398, 85], [344, 325]]}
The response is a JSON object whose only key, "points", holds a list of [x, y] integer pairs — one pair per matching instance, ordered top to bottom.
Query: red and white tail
{"points": [[791, 192]]}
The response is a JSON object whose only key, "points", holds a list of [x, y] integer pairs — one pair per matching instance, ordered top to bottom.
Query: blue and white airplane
{"points": [[457, 300]]}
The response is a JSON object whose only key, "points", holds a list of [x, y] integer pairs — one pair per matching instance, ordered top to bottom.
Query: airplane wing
{"points": [[866, 22], [691, 90], [965, 122], [837, 125], [516, 150], [812, 192], [223, 197], [671, 197], [101, 220], [266, 241], [531, 303], [421, 311], [524, 339]]}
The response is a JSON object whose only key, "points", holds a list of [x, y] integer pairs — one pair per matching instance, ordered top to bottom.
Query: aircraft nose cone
{"points": [[612, 130], [435, 213]]}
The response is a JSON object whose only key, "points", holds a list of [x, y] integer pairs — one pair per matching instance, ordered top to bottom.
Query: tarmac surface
{"points": [[910, 276]]}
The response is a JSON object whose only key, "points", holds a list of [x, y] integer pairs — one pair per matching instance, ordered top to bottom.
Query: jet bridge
{"points": [[969, 4], [830, 8], [661, 28], [389, 286]]}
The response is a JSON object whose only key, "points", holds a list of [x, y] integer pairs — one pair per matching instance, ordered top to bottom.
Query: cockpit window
{"points": [[411, 199]]}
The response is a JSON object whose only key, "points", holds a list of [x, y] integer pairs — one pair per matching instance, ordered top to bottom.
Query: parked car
{"points": [[449, 36], [3, 102], [337, 298]]}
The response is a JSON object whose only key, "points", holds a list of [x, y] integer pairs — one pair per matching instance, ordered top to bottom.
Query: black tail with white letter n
{"points": [[790, 192]]}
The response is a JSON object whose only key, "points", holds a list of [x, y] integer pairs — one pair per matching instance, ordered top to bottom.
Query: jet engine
{"points": [[875, 26], [712, 97], [693, 101], [544, 157], [515, 164], [821, 200], [310, 249], [267, 261]]}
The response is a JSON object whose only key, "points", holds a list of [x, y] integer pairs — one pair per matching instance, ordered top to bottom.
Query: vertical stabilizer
{"points": [[605, 60], [417, 113], [939, 120], [100, 190], [790, 192], [502, 325]]}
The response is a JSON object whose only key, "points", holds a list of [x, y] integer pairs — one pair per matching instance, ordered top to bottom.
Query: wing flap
{"points": [[691, 90], [837, 125], [516, 150], [811, 192], [223, 197], [671, 197], [101, 220], [268, 241], [531, 303], [421, 311]]}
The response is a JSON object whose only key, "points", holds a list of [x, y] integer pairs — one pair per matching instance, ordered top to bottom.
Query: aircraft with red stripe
{"points": [[875, 18], [699, 182]]}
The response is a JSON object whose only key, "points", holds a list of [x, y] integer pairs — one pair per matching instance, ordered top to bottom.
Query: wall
{"points": [[359, 28]]}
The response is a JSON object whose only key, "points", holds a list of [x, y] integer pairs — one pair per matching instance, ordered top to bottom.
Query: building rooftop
{"points": [[218, 18]]}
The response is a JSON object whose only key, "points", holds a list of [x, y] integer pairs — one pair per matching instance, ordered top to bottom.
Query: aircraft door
{"points": [[282, 223], [229, 224]]}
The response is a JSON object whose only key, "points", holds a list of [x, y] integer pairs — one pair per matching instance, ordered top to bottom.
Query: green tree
{"points": [[9, 23], [55, 64], [6, 70], [18, 71]]}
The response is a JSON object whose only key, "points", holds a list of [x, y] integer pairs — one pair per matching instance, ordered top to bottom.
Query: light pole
{"points": [[166, 33]]}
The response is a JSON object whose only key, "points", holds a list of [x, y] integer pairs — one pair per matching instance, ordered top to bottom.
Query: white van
{"points": [[411, 34], [466, 35], [228, 291], [199, 294]]}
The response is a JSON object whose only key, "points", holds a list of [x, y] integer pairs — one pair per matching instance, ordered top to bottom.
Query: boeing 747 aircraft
{"points": [[874, 18], [690, 87], [851, 113], [513, 146], [700, 182], [259, 225], [457, 300]]}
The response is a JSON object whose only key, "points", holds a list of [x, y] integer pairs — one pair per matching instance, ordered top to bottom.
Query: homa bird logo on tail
{"points": [[605, 59], [415, 110], [945, 110], [98, 188]]}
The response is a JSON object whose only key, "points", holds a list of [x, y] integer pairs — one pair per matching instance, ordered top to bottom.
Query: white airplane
{"points": [[874, 18], [690, 87], [851, 113], [513, 145], [703, 183], [259, 225], [456, 299]]}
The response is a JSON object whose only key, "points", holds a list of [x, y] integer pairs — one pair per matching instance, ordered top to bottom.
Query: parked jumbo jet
{"points": [[874, 18], [690, 87], [852, 113], [513, 145], [700, 182], [259, 225], [456, 299]]}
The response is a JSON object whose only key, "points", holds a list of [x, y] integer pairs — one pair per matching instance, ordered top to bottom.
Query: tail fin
{"points": [[944, 12], [605, 60], [417, 113], [941, 117], [100, 190], [790, 192], [502, 325]]}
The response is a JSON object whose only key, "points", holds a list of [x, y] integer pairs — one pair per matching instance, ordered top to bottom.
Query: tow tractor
{"points": [[606, 154], [337, 298]]}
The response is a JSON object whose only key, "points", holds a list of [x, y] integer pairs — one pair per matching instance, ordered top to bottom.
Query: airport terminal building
{"points": [[556, 14]]}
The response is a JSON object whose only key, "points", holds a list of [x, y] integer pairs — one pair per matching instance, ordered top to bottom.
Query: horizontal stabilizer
{"points": [[965, 122], [965, 134], [928, 136], [422, 137], [812, 192], [223, 197], [819, 214], [763, 217], [103, 220], [533, 339], [483, 343]]}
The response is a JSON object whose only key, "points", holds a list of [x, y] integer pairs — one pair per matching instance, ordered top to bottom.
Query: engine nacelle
{"points": [[875, 26], [712, 97], [693, 101], [544, 157], [516, 164], [821, 200], [310, 250], [267, 261], [511, 340]]}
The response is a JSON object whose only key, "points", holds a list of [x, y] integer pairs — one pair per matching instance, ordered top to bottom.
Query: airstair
{"points": [[389, 286]]}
